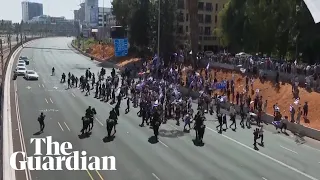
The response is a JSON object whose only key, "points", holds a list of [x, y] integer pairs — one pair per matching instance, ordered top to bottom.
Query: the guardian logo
{"points": [[62, 158]]}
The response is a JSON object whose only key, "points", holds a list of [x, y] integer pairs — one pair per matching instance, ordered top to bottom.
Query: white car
{"points": [[243, 55], [25, 59], [21, 62], [21, 65], [21, 70], [31, 74]]}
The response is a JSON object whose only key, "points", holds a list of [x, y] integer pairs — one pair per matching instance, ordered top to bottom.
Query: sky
{"points": [[11, 9]]}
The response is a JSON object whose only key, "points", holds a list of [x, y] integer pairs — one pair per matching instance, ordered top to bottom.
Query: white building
{"points": [[30, 10]]}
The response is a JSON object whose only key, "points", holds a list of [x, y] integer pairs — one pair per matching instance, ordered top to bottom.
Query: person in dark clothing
{"points": [[41, 121], [156, 123], [219, 127]]}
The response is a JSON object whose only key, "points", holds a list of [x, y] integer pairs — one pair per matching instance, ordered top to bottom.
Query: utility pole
{"points": [[159, 14], [21, 39], [1, 49]]}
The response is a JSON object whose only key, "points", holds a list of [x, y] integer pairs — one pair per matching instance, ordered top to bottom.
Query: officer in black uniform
{"points": [[63, 78], [128, 105], [88, 112], [41, 121], [220, 122], [156, 123], [197, 124], [255, 137]]}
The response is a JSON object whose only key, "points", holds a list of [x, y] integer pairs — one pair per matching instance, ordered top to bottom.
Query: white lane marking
{"points": [[39, 85], [42, 85], [73, 95], [46, 100], [51, 100], [99, 121], [66, 125], [60, 126], [173, 127], [21, 135], [163, 143], [311, 147], [288, 149], [268, 157], [154, 175], [264, 178]]}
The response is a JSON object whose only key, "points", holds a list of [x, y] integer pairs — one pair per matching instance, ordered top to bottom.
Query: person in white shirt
{"points": [[187, 121], [261, 134]]}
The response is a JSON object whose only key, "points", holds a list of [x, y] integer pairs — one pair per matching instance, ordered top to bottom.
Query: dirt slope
{"points": [[102, 51], [282, 96]]}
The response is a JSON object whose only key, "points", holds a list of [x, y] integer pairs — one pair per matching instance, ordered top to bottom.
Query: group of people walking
{"points": [[158, 98]]}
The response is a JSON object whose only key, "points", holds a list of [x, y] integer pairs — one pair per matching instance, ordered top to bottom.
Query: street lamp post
{"points": [[158, 49]]}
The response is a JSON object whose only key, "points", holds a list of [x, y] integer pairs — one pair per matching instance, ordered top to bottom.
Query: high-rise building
{"points": [[30, 10], [208, 11], [92, 12], [79, 14], [105, 17]]}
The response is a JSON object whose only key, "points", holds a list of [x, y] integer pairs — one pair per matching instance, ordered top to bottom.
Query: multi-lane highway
{"points": [[229, 156]]}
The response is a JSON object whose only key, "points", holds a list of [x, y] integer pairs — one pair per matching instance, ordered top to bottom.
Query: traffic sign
{"points": [[120, 47]]}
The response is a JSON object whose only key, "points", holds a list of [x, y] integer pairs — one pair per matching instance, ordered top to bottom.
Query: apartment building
{"points": [[30, 10], [208, 11]]}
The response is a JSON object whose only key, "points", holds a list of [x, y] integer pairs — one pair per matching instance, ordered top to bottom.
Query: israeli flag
{"points": [[155, 59], [208, 66], [156, 103], [276, 123]]}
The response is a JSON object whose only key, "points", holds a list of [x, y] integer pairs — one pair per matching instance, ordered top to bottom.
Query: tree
{"points": [[121, 10], [141, 18], [277, 28]]}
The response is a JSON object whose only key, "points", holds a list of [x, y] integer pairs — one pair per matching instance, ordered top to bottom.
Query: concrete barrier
{"points": [[7, 141]]}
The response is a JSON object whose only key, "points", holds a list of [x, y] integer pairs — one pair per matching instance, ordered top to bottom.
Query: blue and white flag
{"points": [[155, 59], [208, 66], [221, 85], [276, 123]]}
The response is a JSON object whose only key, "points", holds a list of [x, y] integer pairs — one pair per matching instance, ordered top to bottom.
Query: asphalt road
{"points": [[229, 156]]}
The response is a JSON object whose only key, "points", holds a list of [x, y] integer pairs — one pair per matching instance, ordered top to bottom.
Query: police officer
{"points": [[63, 78], [69, 83], [128, 105], [88, 112], [243, 116], [41, 121], [156, 123], [220, 123], [85, 124], [110, 124], [197, 124], [255, 137]]}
